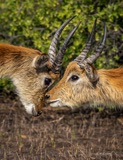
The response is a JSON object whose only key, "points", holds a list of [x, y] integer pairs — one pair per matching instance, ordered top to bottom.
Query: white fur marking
{"points": [[30, 108]]}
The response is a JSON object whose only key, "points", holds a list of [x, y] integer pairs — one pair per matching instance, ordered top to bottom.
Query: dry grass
{"points": [[58, 136]]}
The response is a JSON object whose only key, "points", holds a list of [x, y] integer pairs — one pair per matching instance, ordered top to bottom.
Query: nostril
{"points": [[47, 96], [39, 113], [35, 114]]}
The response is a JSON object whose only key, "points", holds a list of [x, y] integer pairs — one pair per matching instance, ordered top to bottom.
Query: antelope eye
{"points": [[74, 78], [47, 81]]}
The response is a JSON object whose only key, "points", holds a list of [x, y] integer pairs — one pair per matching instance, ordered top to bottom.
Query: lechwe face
{"points": [[31, 71], [79, 85]]}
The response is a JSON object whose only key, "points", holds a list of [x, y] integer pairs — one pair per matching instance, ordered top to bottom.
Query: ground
{"points": [[59, 135]]}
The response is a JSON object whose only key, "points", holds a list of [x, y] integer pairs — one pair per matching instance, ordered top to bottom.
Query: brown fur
{"points": [[16, 62], [106, 90]]}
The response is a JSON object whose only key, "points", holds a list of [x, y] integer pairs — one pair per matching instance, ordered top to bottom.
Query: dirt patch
{"points": [[84, 135]]}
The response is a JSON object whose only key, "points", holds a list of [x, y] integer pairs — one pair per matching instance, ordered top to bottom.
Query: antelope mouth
{"points": [[54, 103], [58, 103]]}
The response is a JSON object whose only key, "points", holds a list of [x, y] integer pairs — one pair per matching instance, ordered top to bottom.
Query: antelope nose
{"points": [[47, 96], [39, 113]]}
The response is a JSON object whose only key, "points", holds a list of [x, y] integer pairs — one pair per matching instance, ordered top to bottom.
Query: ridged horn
{"points": [[53, 45], [99, 49], [85, 51], [59, 59]]}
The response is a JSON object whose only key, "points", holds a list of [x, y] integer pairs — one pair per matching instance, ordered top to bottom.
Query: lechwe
{"points": [[31, 71], [82, 85]]}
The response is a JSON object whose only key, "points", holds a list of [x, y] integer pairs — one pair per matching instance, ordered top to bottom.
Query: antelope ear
{"points": [[40, 61], [91, 73]]}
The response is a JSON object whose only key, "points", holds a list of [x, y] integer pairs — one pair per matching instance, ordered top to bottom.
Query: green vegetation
{"points": [[32, 23], [5, 84]]}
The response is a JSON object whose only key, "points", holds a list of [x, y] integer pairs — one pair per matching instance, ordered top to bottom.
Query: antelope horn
{"points": [[53, 45], [85, 51], [93, 57], [59, 59]]}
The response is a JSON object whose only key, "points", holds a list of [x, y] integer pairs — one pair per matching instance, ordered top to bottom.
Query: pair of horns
{"points": [[57, 59], [81, 59]]}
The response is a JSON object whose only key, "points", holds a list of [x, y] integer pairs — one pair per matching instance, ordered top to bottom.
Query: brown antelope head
{"points": [[31, 71], [80, 83]]}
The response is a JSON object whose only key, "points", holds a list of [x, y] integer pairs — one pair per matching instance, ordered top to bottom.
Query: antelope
{"points": [[31, 71], [83, 85]]}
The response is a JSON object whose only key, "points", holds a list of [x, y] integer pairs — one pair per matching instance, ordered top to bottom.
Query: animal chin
{"points": [[30, 108]]}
